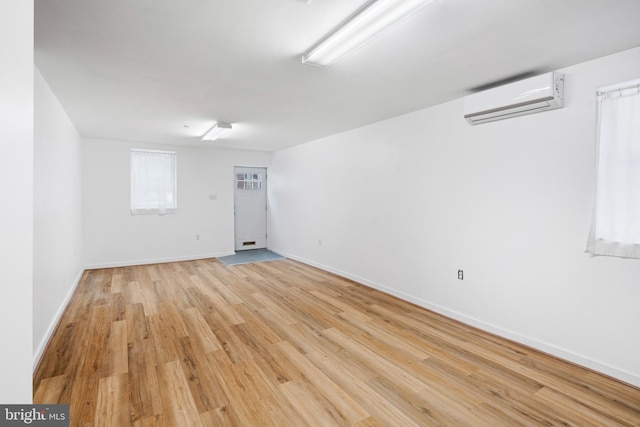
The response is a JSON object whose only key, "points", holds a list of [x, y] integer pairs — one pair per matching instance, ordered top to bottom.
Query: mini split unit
{"points": [[528, 96]]}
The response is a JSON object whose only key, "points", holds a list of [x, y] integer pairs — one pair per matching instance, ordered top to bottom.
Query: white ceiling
{"points": [[164, 70]]}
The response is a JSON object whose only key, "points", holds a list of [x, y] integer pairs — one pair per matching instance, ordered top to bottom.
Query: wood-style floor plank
{"points": [[199, 343], [112, 407]]}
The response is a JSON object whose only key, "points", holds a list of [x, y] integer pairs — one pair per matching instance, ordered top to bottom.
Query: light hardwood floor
{"points": [[280, 343]]}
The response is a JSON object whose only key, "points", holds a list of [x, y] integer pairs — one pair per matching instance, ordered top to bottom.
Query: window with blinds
{"points": [[153, 182]]}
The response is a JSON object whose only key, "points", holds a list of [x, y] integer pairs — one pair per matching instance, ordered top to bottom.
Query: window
{"points": [[248, 181], [153, 182], [615, 228]]}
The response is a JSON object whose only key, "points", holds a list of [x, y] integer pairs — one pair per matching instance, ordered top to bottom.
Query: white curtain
{"points": [[153, 182], [615, 228]]}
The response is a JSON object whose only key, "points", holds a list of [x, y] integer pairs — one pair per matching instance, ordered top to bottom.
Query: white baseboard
{"points": [[155, 261], [54, 322], [550, 349]]}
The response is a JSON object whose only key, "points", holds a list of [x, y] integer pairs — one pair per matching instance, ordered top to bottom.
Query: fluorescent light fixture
{"points": [[373, 19], [217, 131]]}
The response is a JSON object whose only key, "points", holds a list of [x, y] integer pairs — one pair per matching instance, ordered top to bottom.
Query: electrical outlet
{"points": [[197, 237], [460, 275]]}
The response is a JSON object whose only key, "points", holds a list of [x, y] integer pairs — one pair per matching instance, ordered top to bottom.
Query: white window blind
{"points": [[153, 182], [615, 228]]}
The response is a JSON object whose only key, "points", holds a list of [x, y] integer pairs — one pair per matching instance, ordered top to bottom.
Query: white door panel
{"points": [[250, 208]]}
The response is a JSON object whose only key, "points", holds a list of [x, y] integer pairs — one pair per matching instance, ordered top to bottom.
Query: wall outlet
{"points": [[197, 237], [460, 275]]}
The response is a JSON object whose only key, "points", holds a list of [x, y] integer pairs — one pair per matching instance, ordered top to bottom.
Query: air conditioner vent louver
{"points": [[533, 95]]}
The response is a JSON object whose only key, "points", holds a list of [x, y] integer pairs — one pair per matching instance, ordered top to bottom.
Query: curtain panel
{"points": [[615, 228]]}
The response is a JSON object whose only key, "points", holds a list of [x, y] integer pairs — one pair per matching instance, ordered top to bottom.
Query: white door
{"points": [[250, 208]]}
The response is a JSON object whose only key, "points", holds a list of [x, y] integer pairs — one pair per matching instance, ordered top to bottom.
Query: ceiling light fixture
{"points": [[368, 22], [217, 131]]}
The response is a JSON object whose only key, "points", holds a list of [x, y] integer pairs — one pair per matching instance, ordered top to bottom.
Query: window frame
{"points": [[614, 148], [153, 205]]}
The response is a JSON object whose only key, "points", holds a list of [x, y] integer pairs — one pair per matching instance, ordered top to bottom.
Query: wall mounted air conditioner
{"points": [[532, 95]]}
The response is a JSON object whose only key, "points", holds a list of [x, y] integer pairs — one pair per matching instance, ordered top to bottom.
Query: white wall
{"points": [[402, 204], [16, 215], [57, 222], [114, 237]]}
